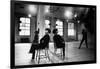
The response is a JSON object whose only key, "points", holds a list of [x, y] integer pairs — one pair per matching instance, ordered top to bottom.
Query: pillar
{"points": [[40, 21], [53, 24], [65, 30]]}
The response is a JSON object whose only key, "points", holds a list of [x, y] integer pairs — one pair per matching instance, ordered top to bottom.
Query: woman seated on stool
{"points": [[59, 41], [44, 42]]}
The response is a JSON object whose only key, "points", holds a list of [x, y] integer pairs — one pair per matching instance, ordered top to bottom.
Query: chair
{"points": [[61, 50], [39, 56]]}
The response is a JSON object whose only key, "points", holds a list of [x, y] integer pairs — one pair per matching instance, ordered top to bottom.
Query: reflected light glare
{"points": [[32, 9], [47, 9], [68, 14], [29, 15], [75, 15], [67, 20], [78, 21]]}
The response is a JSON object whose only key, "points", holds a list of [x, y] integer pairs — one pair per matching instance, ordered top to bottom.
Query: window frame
{"points": [[60, 26], [24, 27], [71, 28]]}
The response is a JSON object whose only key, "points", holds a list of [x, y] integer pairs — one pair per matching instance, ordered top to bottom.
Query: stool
{"points": [[61, 52], [39, 56]]}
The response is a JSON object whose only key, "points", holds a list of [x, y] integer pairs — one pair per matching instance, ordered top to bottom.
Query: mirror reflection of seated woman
{"points": [[44, 42], [58, 42]]}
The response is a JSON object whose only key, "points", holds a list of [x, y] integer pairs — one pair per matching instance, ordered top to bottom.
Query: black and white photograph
{"points": [[52, 34]]}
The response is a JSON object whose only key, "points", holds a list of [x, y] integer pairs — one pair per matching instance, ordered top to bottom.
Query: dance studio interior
{"points": [[69, 20]]}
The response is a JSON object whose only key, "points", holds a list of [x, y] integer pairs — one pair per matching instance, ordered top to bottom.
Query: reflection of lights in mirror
{"points": [[32, 9], [47, 9], [68, 14], [29, 15], [75, 15], [67, 20], [78, 21]]}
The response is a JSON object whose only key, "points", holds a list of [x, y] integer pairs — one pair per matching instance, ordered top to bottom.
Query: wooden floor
{"points": [[72, 53]]}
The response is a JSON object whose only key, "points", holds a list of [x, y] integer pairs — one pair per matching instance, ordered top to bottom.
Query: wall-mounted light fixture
{"points": [[29, 15], [75, 15], [67, 20], [78, 21]]}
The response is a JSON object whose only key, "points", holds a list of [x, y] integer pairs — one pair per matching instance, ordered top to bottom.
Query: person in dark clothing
{"points": [[84, 33], [59, 41], [44, 42], [35, 43]]}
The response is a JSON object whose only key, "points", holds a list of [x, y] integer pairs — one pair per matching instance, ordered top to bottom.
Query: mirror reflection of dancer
{"points": [[84, 33]]}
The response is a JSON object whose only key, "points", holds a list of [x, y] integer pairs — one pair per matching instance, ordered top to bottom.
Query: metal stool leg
{"points": [[55, 50], [45, 52], [62, 52], [48, 54], [36, 55], [39, 57]]}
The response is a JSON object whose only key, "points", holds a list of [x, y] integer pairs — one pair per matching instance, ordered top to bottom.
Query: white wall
{"points": [[5, 34]]}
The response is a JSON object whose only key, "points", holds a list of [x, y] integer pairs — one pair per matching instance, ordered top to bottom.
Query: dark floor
{"points": [[73, 54]]}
